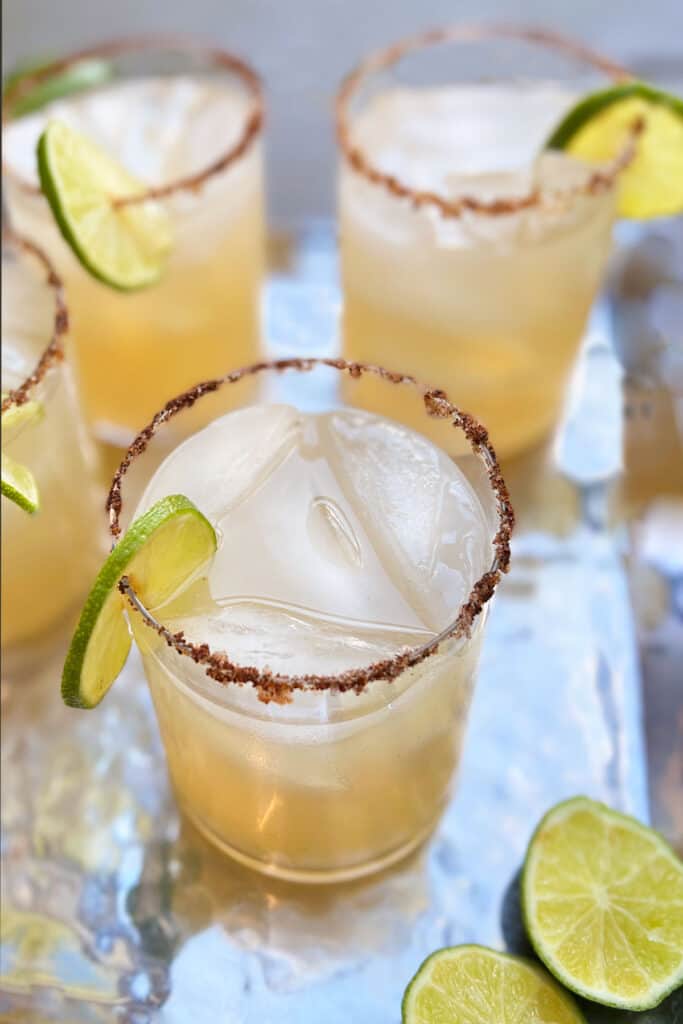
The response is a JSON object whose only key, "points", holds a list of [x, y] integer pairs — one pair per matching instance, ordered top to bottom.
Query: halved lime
{"points": [[84, 74], [598, 127], [125, 246], [19, 485], [162, 549], [602, 897], [466, 984]]}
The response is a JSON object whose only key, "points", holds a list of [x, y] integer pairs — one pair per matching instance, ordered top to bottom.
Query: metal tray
{"points": [[116, 909]]}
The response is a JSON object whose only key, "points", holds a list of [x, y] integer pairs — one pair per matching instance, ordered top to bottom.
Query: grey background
{"points": [[303, 47]]}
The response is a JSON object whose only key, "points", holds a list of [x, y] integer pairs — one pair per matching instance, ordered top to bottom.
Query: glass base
{"points": [[312, 876]]}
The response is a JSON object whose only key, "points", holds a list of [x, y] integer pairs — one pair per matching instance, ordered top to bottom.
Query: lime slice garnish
{"points": [[24, 69], [84, 74], [597, 129], [125, 246], [17, 417], [18, 482], [19, 485], [161, 550], [603, 903], [471, 983]]}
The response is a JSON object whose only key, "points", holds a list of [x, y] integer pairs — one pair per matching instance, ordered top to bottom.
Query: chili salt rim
{"points": [[223, 59], [379, 60], [54, 351], [279, 687]]}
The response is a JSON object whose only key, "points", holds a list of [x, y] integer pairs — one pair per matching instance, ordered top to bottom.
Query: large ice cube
{"points": [[421, 514], [342, 535]]}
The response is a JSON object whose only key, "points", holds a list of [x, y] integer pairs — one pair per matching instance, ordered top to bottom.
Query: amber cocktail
{"points": [[185, 119], [470, 255], [48, 557], [312, 691]]}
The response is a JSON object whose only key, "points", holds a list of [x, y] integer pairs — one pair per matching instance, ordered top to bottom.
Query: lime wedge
{"points": [[24, 69], [84, 74], [597, 129], [126, 246], [17, 417], [18, 482], [19, 485], [161, 550], [602, 897], [466, 984]]}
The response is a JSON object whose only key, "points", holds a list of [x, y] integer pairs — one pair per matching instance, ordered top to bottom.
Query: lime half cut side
{"points": [[598, 127], [124, 246], [19, 485], [162, 549], [602, 897], [464, 984]]}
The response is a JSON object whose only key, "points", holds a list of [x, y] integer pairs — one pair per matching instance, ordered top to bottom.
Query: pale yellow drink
{"points": [[492, 305], [134, 350], [343, 538], [48, 558]]}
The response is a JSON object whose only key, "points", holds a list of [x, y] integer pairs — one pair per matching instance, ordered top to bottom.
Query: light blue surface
{"points": [[119, 911]]}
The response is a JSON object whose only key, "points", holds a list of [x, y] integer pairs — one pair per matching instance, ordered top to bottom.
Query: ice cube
{"points": [[219, 466], [420, 512]]}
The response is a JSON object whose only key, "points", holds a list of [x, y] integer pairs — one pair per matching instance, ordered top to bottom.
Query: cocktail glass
{"points": [[187, 119], [469, 255], [48, 557], [312, 694]]}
